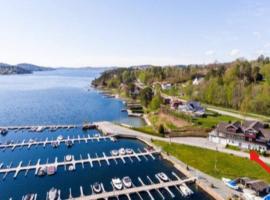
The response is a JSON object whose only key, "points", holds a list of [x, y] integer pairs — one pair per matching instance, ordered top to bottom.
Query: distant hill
{"points": [[32, 67], [23, 68], [6, 69]]}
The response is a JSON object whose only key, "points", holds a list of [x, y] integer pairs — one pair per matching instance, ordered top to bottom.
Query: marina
{"points": [[47, 148], [73, 162], [137, 189]]}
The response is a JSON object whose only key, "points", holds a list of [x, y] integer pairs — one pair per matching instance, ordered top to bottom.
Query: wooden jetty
{"points": [[73, 161]]}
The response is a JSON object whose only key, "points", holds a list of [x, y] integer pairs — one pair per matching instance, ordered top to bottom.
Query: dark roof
{"points": [[265, 133], [257, 185]]}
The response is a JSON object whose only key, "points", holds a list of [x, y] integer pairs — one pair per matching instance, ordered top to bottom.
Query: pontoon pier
{"points": [[45, 142], [73, 162], [137, 189]]}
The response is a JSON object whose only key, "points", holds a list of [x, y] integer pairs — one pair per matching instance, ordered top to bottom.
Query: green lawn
{"points": [[210, 121], [147, 129], [226, 165]]}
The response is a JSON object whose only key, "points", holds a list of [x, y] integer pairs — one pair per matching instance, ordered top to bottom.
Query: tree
{"points": [[146, 96], [156, 102], [161, 129]]}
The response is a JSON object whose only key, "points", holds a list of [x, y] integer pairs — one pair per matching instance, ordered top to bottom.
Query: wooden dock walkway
{"points": [[45, 142], [16, 170]]}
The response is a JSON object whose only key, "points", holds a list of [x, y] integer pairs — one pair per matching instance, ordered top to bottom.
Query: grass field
{"points": [[211, 121], [147, 129], [205, 160]]}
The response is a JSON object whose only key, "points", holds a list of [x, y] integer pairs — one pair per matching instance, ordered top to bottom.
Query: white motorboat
{"points": [[39, 129], [60, 137], [113, 139], [31, 141], [122, 151], [129, 151], [114, 152], [68, 158], [71, 168], [51, 170], [42, 171], [162, 176], [127, 182], [117, 183], [230, 183], [97, 187], [53, 194], [29, 197]]}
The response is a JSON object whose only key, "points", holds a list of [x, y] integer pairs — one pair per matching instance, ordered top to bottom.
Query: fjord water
{"points": [[57, 97], [63, 97]]}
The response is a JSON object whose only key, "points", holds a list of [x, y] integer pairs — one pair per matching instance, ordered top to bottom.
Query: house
{"points": [[197, 80], [166, 86], [175, 104], [192, 107], [251, 135], [258, 186]]}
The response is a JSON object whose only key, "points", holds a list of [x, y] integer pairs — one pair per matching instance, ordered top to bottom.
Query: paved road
{"points": [[193, 141]]}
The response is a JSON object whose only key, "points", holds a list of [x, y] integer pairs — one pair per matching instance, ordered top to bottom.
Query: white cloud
{"points": [[209, 52], [234, 52]]}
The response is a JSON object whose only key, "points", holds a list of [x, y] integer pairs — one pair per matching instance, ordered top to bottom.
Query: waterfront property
{"points": [[193, 108], [252, 135], [92, 159]]}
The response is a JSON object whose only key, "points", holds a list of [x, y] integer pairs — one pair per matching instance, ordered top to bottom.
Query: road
{"points": [[112, 128]]}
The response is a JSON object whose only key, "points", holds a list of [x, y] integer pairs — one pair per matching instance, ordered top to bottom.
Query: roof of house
{"points": [[257, 185]]}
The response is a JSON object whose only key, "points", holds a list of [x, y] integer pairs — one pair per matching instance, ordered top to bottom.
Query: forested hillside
{"points": [[243, 85]]}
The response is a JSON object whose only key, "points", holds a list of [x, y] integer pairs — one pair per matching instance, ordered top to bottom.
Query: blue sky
{"points": [[130, 32]]}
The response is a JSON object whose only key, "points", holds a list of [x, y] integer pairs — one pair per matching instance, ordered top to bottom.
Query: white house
{"points": [[197, 81]]}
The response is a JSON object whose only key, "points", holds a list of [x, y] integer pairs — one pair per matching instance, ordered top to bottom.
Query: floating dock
{"points": [[43, 127], [45, 142], [16, 170], [137, 189]]}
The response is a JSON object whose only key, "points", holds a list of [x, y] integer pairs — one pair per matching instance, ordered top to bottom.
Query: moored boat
{"points": [[3, 131], [60, 137], [69, 143], [55, 144], [122, 151], [129, 151], [114, 152], [68, 158], [71, 168], [51, 170], [42, 171], [163, 176], [127, 182], [117, 183], [230, 183], [97, 187], [53, 194], [29, 197]]}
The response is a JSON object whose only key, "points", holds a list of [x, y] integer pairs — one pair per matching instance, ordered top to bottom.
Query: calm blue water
{"points": [[57, 97], [62, 97]]}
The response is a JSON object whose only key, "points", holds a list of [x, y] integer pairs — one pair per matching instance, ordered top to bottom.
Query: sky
{"points": [[75, 33]]}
